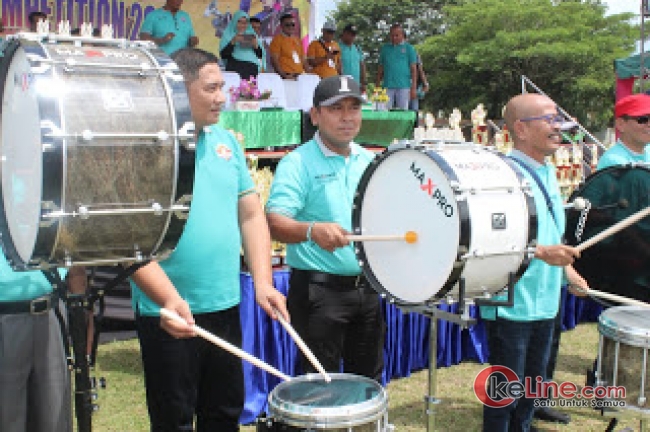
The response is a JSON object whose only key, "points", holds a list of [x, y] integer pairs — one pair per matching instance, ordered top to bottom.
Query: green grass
{"points": [[122, 403]]}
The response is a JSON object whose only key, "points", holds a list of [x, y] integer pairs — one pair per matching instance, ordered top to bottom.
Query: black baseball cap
{"points": [[350, 28], [333, 89]]}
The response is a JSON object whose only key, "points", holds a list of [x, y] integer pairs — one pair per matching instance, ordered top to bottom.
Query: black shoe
{"points": [[551, 415]]}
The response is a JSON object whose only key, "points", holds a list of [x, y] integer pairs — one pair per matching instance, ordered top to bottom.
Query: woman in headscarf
{"points": [[240, 47]]}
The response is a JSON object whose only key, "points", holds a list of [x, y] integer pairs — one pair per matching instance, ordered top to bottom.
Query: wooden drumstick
{"points": [[618, 226], [409, 237], [614, 297], [226, 345], [303, 347]]}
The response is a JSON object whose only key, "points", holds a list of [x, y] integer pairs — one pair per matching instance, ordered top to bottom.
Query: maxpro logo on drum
{"points": [[427, 185], [499, 386]]}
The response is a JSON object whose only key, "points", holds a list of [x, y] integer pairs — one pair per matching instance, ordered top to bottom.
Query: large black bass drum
{"points": [[97, 151], [619, 264]]}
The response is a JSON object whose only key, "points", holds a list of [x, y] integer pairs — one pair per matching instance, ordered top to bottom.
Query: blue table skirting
{"points": [[406, 348]]}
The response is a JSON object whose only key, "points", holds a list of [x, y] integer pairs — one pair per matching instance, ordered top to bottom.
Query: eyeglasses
{"points": [[289, 24], [548, 118], [640, 120]]}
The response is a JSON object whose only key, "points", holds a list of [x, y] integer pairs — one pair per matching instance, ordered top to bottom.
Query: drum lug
{"points": [[36, 59], [49, 130], [186, 135], [183, 202], [47, 207]]}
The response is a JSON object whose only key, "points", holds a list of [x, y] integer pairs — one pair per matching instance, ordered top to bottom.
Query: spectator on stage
{"points": [[256, 23], [169, 27], [240, 47], [324, 54], [287, 55], [352, 58], [397, 71], [422, 86], [632, 115], [332, 306], [519, 337], [186, 376]]}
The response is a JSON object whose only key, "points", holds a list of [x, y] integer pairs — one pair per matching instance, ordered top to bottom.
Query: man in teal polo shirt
{"points": [[169, 27], [352, 57], [397, 69], [633, 124], [310, 208], [519, 337], [188, 376]]}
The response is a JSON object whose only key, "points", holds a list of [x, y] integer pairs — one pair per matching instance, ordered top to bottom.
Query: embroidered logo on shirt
{"points": [[223, 151]]}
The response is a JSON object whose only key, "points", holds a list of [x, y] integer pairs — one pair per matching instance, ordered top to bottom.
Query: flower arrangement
{"points": [[248, 91], [379, 95]]}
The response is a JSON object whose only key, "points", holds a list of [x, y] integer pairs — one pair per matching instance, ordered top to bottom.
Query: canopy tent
{"points": [[627, 70]]}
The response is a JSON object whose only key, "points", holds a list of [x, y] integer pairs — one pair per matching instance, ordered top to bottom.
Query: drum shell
{"points": [[112, 175], [623, 350], [368, 413]]}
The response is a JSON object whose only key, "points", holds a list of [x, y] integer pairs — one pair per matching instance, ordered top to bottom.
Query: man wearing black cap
{"points": [[352, 57], [310, 208]]}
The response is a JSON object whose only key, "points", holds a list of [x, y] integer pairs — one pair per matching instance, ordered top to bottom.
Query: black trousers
{"points": [[338, 322], [187, 377]]}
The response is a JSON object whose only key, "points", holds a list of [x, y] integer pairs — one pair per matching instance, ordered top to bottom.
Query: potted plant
{"points": [[247, 96], [379, 99]]}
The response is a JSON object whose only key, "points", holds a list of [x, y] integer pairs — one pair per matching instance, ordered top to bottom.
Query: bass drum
{"points": [[93, 170], [471, 210], [619, 264]]}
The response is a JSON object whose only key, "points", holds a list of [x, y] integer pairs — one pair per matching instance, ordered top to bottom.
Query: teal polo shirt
{"points": [[160, 22], [351, 58], [397, 61], [619, 154], [314, 184], [205, 265], [18, 286], [537, 293]]}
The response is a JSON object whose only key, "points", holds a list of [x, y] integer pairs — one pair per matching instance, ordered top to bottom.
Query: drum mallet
{"points": [[618, 226], [409, 237], [613, 297], [226, 345], [303, 347]]}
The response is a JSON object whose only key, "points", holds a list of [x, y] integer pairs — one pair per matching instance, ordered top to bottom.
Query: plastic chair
{"points": [[231, 79], [273, 82], [306, 85]]}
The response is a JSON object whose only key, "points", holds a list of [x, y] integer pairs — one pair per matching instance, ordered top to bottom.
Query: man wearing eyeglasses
{"points": [[169, 27], [287, 55], [633, 124], [519, 337]]}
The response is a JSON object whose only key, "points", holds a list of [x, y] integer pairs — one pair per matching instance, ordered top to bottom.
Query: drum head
{"points": [[21, 156], [406, 190], [618, 264], [627, 324], [347, 401]]}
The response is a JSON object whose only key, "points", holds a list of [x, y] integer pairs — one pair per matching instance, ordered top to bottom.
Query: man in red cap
{"points": [[633, 124]]}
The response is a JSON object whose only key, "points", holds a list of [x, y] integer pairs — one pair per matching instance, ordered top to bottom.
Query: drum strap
{"points": [[535, 177]]}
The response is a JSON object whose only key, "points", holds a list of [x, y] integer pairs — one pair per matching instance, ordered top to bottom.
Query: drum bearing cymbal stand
{"points": [[461, 318], [75, 340]]}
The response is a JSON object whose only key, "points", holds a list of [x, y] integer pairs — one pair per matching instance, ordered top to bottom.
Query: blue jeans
{"points": [[398, 98], [524, 347]]}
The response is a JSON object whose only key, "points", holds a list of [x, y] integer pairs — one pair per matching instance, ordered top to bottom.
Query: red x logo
{"points": [[428, 187]]}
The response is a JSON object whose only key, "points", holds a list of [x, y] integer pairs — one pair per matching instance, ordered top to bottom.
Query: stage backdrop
{"points": [[209, 17]]}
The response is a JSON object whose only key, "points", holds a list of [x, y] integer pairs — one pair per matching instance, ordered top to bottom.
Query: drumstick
{"points": [[618, 226], [409, 237], [613, 297], [226, 345], [303, 347]]}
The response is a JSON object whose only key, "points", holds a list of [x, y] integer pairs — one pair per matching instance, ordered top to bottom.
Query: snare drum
{"points": [[92, 169], [471, 208], [619, 263], [623, 354], [348, 403]]}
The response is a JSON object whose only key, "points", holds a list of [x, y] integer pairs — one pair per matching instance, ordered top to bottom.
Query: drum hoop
{"points": [[605, 171], [54, 176], [609, 329], [368, 411]]}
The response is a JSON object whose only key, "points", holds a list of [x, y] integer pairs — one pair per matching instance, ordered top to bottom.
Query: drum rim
{"points": [[626, 334], [365, 412]]}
